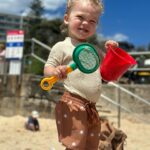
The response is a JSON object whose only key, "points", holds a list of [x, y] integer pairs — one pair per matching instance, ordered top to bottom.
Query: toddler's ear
{"points": [[66, 18]]}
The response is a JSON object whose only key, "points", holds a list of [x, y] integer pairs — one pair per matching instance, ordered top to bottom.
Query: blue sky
{"points": [[129, 18], [122, 20]]}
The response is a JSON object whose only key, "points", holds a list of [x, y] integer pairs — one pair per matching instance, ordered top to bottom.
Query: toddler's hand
{"points": [[111, 43], [61, 72]]}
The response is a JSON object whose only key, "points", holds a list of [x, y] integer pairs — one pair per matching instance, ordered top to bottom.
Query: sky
{"points": [[122, 20]]}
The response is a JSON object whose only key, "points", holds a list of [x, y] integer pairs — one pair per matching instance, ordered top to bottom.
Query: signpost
{"points": [[14, 55]]}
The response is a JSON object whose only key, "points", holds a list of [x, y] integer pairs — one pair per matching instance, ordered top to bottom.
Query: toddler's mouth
{"points": [[83, 30]]}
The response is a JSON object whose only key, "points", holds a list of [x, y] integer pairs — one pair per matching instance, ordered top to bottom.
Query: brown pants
{"points": [[78, 123]]}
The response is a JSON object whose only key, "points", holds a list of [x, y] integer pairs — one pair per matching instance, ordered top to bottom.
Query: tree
{"points": [[37, 10], [48, 32], [126, 46]]}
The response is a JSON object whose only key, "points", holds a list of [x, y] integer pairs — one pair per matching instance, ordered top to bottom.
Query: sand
{"points": [[13, 136]]}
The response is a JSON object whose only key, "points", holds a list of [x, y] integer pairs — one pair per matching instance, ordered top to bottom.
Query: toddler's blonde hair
{"points": [[98, 3]]}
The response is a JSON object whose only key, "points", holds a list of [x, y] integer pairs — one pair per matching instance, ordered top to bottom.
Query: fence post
{"points": [[119, 108]]}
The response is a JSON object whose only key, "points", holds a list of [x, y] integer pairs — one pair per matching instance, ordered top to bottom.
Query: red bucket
{"points": [[115, 64]]}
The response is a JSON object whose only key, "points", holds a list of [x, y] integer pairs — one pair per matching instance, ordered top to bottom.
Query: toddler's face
{"points": [[82, 20]]}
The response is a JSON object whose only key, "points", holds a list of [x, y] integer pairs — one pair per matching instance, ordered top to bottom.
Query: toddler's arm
{"points": [[107, 44]]}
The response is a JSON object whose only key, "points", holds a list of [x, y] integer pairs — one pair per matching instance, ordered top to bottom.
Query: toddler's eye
{"points": [[80, 17], [93, 21]]}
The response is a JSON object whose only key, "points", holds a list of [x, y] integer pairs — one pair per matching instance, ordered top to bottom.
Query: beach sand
{"points": [[13, 136]]}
